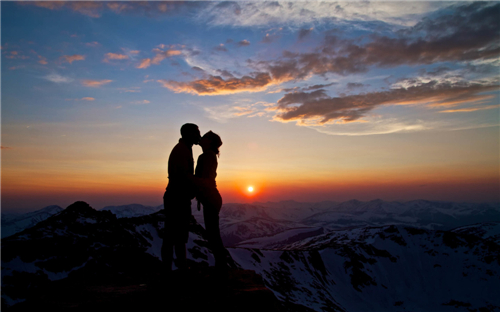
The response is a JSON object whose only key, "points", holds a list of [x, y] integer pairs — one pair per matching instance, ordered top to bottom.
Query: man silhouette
{"points": [[177, 199]]}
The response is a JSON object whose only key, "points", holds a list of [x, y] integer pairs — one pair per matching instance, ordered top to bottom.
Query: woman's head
{"points": [[211, 141]]}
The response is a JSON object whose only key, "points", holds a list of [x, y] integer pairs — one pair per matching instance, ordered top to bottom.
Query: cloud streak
{"points": [[114, 56], [160, 56], [71, 58], [56, 78], [95, 83], [216, 85], [318, 108]]}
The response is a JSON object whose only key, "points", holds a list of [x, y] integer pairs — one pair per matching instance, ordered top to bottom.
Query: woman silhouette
{"points": [[209, 197]]}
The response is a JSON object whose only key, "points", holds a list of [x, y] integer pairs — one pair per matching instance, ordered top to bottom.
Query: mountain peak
{"points": [[79, 207]]}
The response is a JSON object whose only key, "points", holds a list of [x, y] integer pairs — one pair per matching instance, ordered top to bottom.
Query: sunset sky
{"points": [[313, 100]]}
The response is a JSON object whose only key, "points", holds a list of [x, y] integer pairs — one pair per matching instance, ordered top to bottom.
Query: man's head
{"points": [[190, 133]]}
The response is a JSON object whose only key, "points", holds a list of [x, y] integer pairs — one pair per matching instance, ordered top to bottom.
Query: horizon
{"points": [[314, 101], [14, 212]]}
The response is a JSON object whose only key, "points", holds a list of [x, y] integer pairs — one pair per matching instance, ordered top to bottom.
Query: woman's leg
{"points": [[211, 216]]}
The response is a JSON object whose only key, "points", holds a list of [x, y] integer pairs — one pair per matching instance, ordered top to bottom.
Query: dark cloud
{"points": [[95, 9], [304, 33], [469, 33], [268, 38], [243, 43], [220, 48], [196, 68], [224, 73], [354, 85], [318, 86], [317, 106]]}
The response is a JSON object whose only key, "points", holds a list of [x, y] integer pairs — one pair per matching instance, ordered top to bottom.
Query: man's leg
{"points": [[167, 254], [180, 255]]}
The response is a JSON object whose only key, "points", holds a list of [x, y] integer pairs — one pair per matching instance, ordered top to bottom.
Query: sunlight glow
{"points": [[250, 189]]}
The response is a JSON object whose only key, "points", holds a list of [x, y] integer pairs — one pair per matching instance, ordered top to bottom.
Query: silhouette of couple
{"points": [[184, 184]]}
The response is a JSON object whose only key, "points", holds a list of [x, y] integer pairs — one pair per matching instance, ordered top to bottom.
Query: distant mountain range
{"points": [[350, 256]]}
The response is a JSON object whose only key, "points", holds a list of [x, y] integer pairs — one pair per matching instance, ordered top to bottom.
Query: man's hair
{"points": [[187, 130]]}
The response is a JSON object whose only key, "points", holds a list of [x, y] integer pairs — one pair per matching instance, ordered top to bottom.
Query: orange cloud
{"points": [[114, 56], [160, 56], [71, 58], [145, 63], [95, 83], [216, 85], [87, 99], [471, 109]]}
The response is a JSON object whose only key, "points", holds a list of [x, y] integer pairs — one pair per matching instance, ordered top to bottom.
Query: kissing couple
{"points": [[184, 184]]}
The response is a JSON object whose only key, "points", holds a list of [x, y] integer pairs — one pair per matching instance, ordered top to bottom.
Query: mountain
{"points": [[133, 210], [12, 224], [487, 230], [82, 241], [314, 257], [388, 268]]}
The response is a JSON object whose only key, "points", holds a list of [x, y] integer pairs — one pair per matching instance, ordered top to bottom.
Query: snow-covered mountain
{"points": [[133, 210], [241, 222], [12, 224], [488, 230], [80, 240], [351, 256], [388, 268]]}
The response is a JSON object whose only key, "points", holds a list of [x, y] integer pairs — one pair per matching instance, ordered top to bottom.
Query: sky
{"points": [[313, 100]]}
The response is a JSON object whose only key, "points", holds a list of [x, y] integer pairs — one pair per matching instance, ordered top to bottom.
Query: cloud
{"points": [[95, 9], [299, 13], [304, 33], [470, 33], [268, 38], [243, 43], [92, 44], [220, 48], [114, 56], [160, 56], [71, 58], [42, 60], [145, 63], [58, 78], [95, 83], [216, 85], [354, 85], [318, 86], [82, 99], [141, 102], [318, 108], [469, 109], [222, 113], [5, 147]]}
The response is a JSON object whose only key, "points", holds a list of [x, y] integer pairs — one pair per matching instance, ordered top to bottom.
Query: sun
{"points": [[250, 189]]}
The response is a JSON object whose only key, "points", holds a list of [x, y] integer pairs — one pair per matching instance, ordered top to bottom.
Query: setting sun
{"points": [[250, 188]]}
